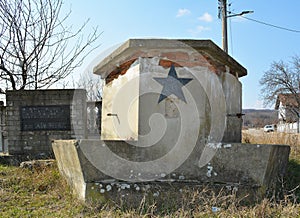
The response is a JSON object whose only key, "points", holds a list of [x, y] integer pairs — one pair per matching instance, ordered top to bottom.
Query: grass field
{"points": [[41, 192]]}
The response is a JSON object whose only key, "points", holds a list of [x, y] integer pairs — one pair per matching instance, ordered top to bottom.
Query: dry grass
{"points": [[260, 137], [291, 184], [35, 193], [43, 193]]}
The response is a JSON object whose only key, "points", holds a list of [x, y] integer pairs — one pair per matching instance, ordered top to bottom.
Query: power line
{"points": [[271, 25]]}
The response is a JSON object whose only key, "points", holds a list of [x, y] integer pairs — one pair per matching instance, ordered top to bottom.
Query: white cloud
{"points": [[183, 11], [206, 17], [198, 30]]}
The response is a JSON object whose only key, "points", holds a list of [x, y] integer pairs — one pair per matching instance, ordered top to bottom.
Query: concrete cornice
{"points": [[126, 51]]}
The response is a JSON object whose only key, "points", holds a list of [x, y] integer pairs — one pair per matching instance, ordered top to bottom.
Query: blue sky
{"points": [[253, 45]]}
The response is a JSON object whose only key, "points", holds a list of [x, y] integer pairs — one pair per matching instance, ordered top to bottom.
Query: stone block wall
{"points": [[35, 118]]}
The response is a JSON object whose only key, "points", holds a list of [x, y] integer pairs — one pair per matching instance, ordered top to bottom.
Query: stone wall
{"points": [[37, 117]]}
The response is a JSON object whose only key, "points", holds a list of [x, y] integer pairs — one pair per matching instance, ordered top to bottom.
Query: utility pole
{"points": [[223, 15], [224, 25]]}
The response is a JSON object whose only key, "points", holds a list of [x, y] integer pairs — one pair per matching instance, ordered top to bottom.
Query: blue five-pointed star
{"points": [[172, 85]]}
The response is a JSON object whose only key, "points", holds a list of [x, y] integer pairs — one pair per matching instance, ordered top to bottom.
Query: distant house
{"points": [[288, 113]]}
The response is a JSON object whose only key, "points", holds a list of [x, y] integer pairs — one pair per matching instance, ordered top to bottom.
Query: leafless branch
{"points": [[37, 49], [282, 78], [92, 84]]}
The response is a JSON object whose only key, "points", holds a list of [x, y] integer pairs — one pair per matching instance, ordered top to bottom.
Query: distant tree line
{"points": [[259, 118]]}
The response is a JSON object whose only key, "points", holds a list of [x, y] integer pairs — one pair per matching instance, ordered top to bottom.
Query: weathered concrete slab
{"points": [[13, 160], [69, 165], [237, 165]]}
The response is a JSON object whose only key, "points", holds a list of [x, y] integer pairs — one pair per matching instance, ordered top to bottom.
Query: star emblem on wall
{"points": [[172, 84]]}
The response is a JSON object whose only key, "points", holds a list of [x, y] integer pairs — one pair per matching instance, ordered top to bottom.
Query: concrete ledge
{"points": [[125, 51], [15, 160], [238, 165]]}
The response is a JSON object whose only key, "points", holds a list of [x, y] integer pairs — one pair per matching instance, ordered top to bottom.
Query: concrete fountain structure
{"points": [[171, 115]]}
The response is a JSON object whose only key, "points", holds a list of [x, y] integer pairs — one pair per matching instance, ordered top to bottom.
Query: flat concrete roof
{"points": [[131, 46]]}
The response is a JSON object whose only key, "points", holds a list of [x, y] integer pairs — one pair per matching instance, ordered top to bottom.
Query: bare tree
{"points": [[37, 49], [283, 80], [92, 84]]}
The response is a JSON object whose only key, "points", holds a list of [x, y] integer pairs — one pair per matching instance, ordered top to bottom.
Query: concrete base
{"points": [[16, 160], [237, 165]]}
